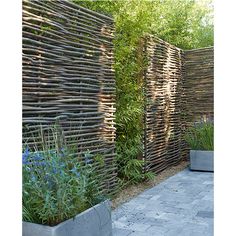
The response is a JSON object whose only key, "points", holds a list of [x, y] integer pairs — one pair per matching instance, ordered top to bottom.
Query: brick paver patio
{"points": [[180, 206]]}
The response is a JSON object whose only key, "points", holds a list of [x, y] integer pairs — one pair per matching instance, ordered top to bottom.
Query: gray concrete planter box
{"points": [[202, 160], [96, 221]]}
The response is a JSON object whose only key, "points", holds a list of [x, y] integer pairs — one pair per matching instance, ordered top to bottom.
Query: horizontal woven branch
{"points": [[68, 77], [199, 83], [178, 91], [164, 124]]}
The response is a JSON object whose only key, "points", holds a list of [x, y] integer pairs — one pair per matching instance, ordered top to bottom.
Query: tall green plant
{"points": [[184, 23], [201, 137]]}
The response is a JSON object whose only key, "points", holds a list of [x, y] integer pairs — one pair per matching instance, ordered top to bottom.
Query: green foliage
{"points": [[186, 24], [201, 137], [57, 185]]}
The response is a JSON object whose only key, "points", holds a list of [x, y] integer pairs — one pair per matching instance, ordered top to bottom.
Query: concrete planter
{"points": [[202, 160], [96, 221]]}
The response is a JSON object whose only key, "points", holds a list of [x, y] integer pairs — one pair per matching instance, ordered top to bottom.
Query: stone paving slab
{"points": [[181, 205]]}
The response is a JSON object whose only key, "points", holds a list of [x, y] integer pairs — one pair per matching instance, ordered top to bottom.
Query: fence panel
{"points": [[68, 77], [199, 83], [164, 121]]}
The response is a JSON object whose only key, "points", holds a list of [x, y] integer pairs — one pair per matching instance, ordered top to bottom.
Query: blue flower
{"points": [[52, 152], [62, 152], [25, 156], [38, 157], [88, 157], [88, 161], [40, 163], [62, 164], [28, 169], [54, 170], [74, 170], [46, 177], [33, 178], [49, 181]]}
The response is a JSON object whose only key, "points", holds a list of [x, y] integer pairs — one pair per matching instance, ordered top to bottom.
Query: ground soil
{"points": [[133, 190]]}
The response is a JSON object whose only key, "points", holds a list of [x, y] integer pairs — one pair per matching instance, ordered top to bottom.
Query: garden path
{"points": [[181, 205]]}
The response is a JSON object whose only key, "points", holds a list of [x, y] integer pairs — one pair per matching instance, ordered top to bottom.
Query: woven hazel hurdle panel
{"points": [[68, 77], [199, 83], [164, 121]]}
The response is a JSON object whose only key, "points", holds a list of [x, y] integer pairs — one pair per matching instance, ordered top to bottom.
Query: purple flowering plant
{"points": [[57, 184]]}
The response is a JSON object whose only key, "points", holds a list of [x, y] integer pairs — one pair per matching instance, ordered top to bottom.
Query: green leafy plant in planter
{"points": [[201, 136], [58, 185]]}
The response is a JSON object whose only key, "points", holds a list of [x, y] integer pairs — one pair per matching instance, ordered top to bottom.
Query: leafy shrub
{"points": [[201, 136], [57, 185]]}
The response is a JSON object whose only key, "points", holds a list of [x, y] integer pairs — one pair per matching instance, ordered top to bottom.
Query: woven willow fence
{"points": [[68, 77], [199, 83], [179, 91], [164, 121]]}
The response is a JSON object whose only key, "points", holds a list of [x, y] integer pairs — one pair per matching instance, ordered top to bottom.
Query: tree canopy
{"points": [[185, 23]]}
